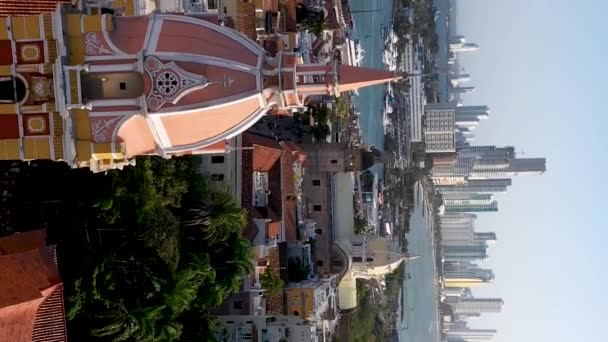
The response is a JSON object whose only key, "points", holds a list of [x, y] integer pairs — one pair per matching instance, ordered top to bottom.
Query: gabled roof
{"points": [[266, 151], [22, 242], [31, 294]]}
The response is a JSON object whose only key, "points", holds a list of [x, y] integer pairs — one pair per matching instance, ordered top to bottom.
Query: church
{"points": [[98, 90]]}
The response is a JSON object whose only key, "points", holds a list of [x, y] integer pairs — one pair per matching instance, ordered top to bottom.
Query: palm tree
{"points": [[218, 217]]}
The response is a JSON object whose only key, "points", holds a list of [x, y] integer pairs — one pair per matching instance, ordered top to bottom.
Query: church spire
{"points": [[353, 77]]}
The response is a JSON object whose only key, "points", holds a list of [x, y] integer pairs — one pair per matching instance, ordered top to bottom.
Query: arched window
{"points": [[12, 90]]}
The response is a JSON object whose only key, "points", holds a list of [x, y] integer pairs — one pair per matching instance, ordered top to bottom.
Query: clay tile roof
{"points": [[246, 19], [266, 151], [22, 242], [31, 296]]}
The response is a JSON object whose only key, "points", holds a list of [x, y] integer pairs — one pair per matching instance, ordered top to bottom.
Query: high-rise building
{"points": [[464, 47], [412, 64], [462, 90], [475, 112], [439, 129], [487, 162], [515, 167], [470, 205], [484, 237], [465, 253], [464, 274], [475, 306], [470, 335]]}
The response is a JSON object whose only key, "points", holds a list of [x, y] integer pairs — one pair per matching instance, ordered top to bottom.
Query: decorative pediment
{"points": [[170, 82]]}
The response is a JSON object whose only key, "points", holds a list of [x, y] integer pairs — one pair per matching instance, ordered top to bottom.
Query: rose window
{"points": [[167, 83]]}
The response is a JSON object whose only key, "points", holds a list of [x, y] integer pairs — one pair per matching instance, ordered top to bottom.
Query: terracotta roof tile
{"points": [[266, 151], [22, 242], [31, 297]]}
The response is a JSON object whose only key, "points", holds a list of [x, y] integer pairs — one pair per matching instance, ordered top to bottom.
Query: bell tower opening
{"points": [[119, 85], [12, 90]]}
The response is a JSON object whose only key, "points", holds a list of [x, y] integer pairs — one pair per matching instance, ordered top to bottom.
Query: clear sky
{"points": [[542, 69]]}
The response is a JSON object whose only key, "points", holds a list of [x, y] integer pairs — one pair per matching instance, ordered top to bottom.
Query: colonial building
{"points": [[97, 90]]}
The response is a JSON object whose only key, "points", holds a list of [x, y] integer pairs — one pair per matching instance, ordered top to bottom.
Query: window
{"points": [[123, 86], [12, 90], [217, 160], [334, 161], [217, 177], [316, 182], [316, 207], [318, 231], [357, 259], [370, 259], [319, 263], [237, 305]]}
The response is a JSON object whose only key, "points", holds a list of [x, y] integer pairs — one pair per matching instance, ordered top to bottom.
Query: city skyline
{"points": [[519, 72]]}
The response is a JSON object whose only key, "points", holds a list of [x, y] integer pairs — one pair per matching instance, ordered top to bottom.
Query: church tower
{"points": [[97, 90]]}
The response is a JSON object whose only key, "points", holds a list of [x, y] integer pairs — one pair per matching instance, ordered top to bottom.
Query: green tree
{"points": [[218, 216], [360, 225], [173, 265], [271, 283]]}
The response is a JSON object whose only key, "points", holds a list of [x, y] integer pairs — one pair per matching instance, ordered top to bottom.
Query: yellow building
{"points": [[35, 103], [313, 299]]}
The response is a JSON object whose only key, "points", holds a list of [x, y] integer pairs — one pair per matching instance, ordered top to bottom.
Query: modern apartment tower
{"points": [[462, 90], [440, 129], [486, 162], [478, 204], [470, 252], [477, 306], [470, 335]]}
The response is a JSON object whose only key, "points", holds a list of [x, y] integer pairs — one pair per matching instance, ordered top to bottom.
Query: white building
{"points": [[412, 64], [440, 129], [224, 169], [266, 328]]}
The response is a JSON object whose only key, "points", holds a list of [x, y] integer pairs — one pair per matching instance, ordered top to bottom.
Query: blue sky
{"points": [[542, 69]]}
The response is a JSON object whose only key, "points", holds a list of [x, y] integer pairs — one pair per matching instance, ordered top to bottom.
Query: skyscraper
{"points": [[464, 113], [440, 129], [487, 162], [470, 205], [465, 253], [465, 274], [476, 306], [470, 335]]}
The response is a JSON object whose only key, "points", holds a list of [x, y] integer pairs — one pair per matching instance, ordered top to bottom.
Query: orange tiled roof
{"points": [[24, 7], [266, 151], [22, 242], [31, 295]]}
